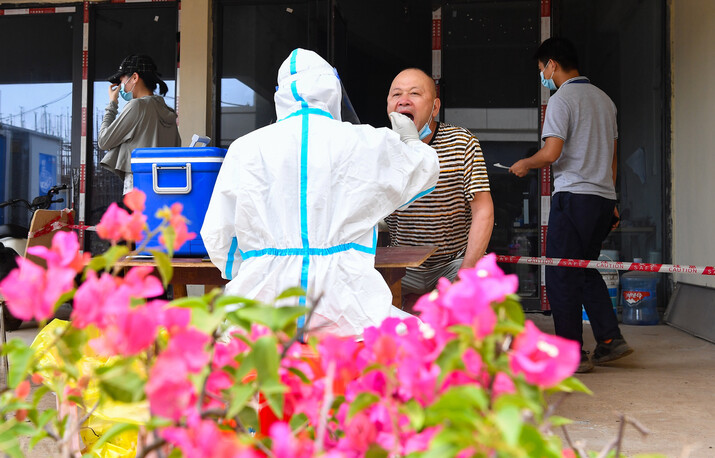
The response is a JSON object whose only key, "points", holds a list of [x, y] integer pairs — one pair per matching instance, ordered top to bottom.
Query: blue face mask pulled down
{"points": [[548, 83], [125, 95], [425, 131]]}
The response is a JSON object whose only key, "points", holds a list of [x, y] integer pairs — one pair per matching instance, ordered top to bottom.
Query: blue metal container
{"points": [[185, 175]]}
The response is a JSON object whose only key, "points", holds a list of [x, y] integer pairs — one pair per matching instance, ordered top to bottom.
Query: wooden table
{"points": [[391, 262]]}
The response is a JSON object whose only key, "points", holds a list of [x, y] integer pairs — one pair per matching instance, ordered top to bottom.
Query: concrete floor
{"points": [[666, 385]]}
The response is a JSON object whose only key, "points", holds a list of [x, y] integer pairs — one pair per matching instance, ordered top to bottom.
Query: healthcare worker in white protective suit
{"points": [[297, 203]]}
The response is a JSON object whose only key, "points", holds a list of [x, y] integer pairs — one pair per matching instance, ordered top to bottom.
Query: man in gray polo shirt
{"points": [[580, 136]]}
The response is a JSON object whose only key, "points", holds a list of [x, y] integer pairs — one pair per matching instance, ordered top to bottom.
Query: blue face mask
{"points": [[548, 83], [125, 95], [425, 131]]}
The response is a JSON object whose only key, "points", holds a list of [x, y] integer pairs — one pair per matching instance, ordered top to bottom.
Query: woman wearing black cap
{"points": [[146, 121]]}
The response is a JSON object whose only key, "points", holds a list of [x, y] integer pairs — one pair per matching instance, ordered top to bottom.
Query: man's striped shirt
{"points": [[443, 217]]}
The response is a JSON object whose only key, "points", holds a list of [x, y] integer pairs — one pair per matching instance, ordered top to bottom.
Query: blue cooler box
{"points": [[185, 175]]}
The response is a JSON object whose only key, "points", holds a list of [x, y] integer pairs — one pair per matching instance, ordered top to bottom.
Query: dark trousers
{"points": [[578, 225]]}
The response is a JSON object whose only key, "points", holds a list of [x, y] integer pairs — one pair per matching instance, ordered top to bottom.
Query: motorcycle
{"points": [[13, 240]]}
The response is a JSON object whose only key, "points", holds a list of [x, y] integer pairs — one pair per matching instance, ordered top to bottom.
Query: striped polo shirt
{"points": [[443, 217]]}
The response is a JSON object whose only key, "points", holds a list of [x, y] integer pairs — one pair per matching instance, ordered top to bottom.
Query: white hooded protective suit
{"points": [[297, 203]]}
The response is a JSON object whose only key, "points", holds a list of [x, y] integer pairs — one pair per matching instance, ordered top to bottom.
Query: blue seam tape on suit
{"points": [[427, 191], [231, 258]]}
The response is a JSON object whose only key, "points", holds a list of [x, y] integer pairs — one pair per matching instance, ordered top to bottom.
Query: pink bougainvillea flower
{"points": [[135, 200], [177, 223], [117, 224], [110, 226], [133, 227], [63, 253], [494, 283], [141, 284], [31, 292], [97, 300], [468, 301], [176, 318], [131, 332], [188, 345], [226, 352], [342, 352], [544, 359], [216, 382], [502, 384], [22, 389], [170, 392], [360, 432], [203, 439], [419, 442], [284, 444]]}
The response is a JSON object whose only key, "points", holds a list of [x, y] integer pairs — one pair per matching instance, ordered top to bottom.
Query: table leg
{"points": [[393, 278], [179, 290]]}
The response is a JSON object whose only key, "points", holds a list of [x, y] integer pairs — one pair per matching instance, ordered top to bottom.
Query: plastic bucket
{"points": [[639, 298]]}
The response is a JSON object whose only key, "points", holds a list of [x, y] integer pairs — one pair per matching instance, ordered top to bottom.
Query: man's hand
{"points": [[113, 92], [404, 126], [519, 168], [616, 218]]}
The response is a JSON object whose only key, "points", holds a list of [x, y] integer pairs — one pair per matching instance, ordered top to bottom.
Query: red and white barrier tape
{"points": [[56, 224], [616, 265]]}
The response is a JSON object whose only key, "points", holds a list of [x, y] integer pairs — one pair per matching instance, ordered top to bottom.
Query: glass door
{"points": [[490, 85]]}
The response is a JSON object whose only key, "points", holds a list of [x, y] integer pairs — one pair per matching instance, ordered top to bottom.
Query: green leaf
{"points": [[169, 238], [114, 254], [97, 263], [163, 265], [296, 291], [65, 297], [191, 302], [233, 303], [513, 310], [275, 318], [205, 321], [70, 348], [450, 358], [266, 359], [20, 361], [300, 374], [570, 385], [127, 387], [274, 392], [239, 395], [362, 401], [460, 405], [415, 413], [45, 417], [249, 418], [557, 420], [298, 421], [158, 422], [509, 422], [114, 431], [37, 437], [533, 443], [375, 451], [175, 453]]}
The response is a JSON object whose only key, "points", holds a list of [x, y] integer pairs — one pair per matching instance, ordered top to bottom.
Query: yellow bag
{"points": [[109, 413]]}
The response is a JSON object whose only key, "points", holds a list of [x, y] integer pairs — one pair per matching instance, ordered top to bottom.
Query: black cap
{"points": [[135, 63]]}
